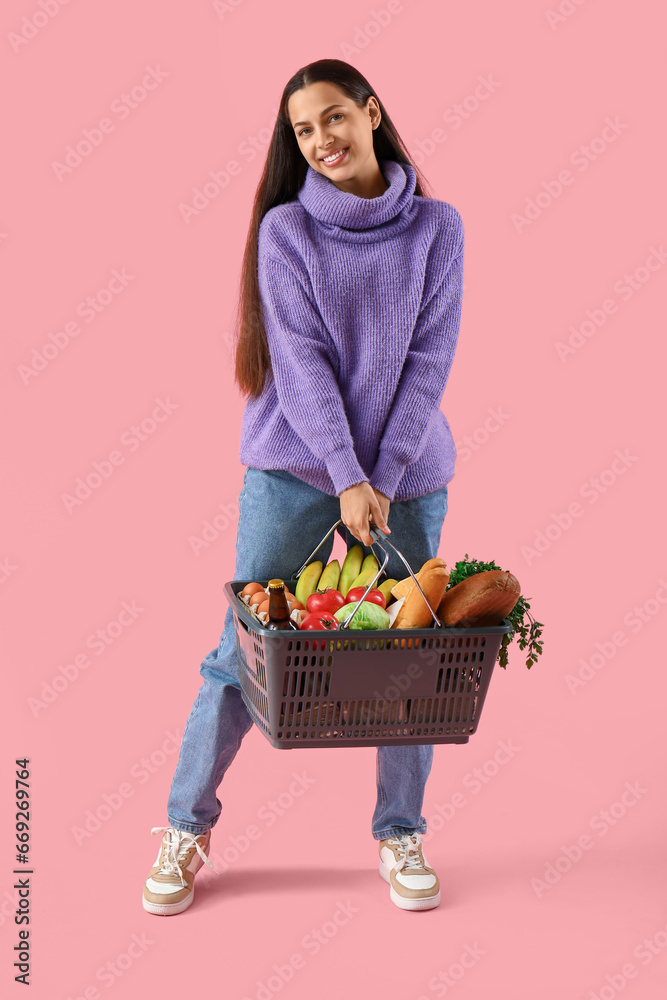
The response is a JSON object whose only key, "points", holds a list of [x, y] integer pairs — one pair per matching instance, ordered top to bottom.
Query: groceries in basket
{"points": [[473, 594], [351, 597], [484, 599], [335, 687]]}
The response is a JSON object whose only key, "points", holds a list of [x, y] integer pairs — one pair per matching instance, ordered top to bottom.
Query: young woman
{"points": [[349, 312]]}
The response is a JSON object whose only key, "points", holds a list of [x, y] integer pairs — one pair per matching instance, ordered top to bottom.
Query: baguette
{"points": [[433, 578], [481, 599]]}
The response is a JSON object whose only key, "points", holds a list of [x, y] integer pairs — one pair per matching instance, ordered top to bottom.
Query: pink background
{"points": [[599, 583]]}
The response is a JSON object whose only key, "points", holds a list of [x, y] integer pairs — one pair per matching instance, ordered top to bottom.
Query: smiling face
{"points": [[327, 122]]}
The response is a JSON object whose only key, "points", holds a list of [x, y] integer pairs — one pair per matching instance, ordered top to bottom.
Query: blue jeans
{"points": [[281, 520]]}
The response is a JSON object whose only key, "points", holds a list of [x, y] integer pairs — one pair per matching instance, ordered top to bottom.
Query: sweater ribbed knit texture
{"points": [[361, 301]]}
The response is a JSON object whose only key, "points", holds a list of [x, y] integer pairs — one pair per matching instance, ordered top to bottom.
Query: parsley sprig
{"points": [[528, 632]]}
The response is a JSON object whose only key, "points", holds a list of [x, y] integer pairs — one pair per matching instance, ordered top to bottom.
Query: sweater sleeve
{"points": [[423, 379], [308, 393]]}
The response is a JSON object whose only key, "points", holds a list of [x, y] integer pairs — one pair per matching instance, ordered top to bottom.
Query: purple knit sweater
{"points": [[361, 300]]}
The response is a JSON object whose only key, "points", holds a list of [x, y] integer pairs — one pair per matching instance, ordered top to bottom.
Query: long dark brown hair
{"points": [[284, 173]]}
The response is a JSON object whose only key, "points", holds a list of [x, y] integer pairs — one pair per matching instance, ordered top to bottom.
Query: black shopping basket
{"points": [[353, 688]]}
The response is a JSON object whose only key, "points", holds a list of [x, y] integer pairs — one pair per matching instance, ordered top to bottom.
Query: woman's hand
{"points": [[384, 502], [360, 503]]}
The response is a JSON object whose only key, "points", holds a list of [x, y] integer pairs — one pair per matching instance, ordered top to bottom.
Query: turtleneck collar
{"points": [[349, 217]]}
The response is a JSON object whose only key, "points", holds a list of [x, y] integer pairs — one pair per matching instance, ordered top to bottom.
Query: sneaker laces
{"points": [[180, 841], [409, 846]]}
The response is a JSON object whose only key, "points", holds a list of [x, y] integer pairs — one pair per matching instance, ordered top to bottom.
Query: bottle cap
{"points": [[275, 584]]}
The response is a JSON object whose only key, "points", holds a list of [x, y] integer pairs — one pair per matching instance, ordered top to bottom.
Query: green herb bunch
{"points": [[528, 633]]}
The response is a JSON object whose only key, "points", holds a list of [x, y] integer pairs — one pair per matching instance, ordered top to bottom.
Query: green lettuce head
{"points": [[369, 616]]}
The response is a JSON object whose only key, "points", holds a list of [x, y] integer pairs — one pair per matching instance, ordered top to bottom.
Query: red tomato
{"points": [[374, 595], [325, 600], [321, 621]]}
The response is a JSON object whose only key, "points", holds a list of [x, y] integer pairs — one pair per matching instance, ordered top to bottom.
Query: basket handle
{"points": [[407, 565], [345, 624]]}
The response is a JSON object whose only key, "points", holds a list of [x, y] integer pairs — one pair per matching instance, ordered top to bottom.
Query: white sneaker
{"points": [[170, 886], [414, 886]]}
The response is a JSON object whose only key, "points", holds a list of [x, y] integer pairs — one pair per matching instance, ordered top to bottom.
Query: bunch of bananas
{"points": [[356, 572]]}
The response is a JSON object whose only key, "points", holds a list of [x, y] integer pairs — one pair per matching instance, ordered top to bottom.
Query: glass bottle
{"points": [[279, 613]]}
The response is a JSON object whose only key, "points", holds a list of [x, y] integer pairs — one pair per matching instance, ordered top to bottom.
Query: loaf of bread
{"points": [[433, 579], [401, 588], [481, 599]]}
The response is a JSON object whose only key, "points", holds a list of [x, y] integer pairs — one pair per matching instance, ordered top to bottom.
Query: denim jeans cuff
{"points": [[192, 828], [398, 831]]}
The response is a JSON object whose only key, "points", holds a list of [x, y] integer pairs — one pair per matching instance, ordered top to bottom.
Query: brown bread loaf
{"points": [[433, 579], [403, 586], [481, 599]]}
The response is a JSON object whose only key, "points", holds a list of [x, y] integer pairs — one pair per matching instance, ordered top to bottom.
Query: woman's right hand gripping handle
{"points": [[359, 505]]}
